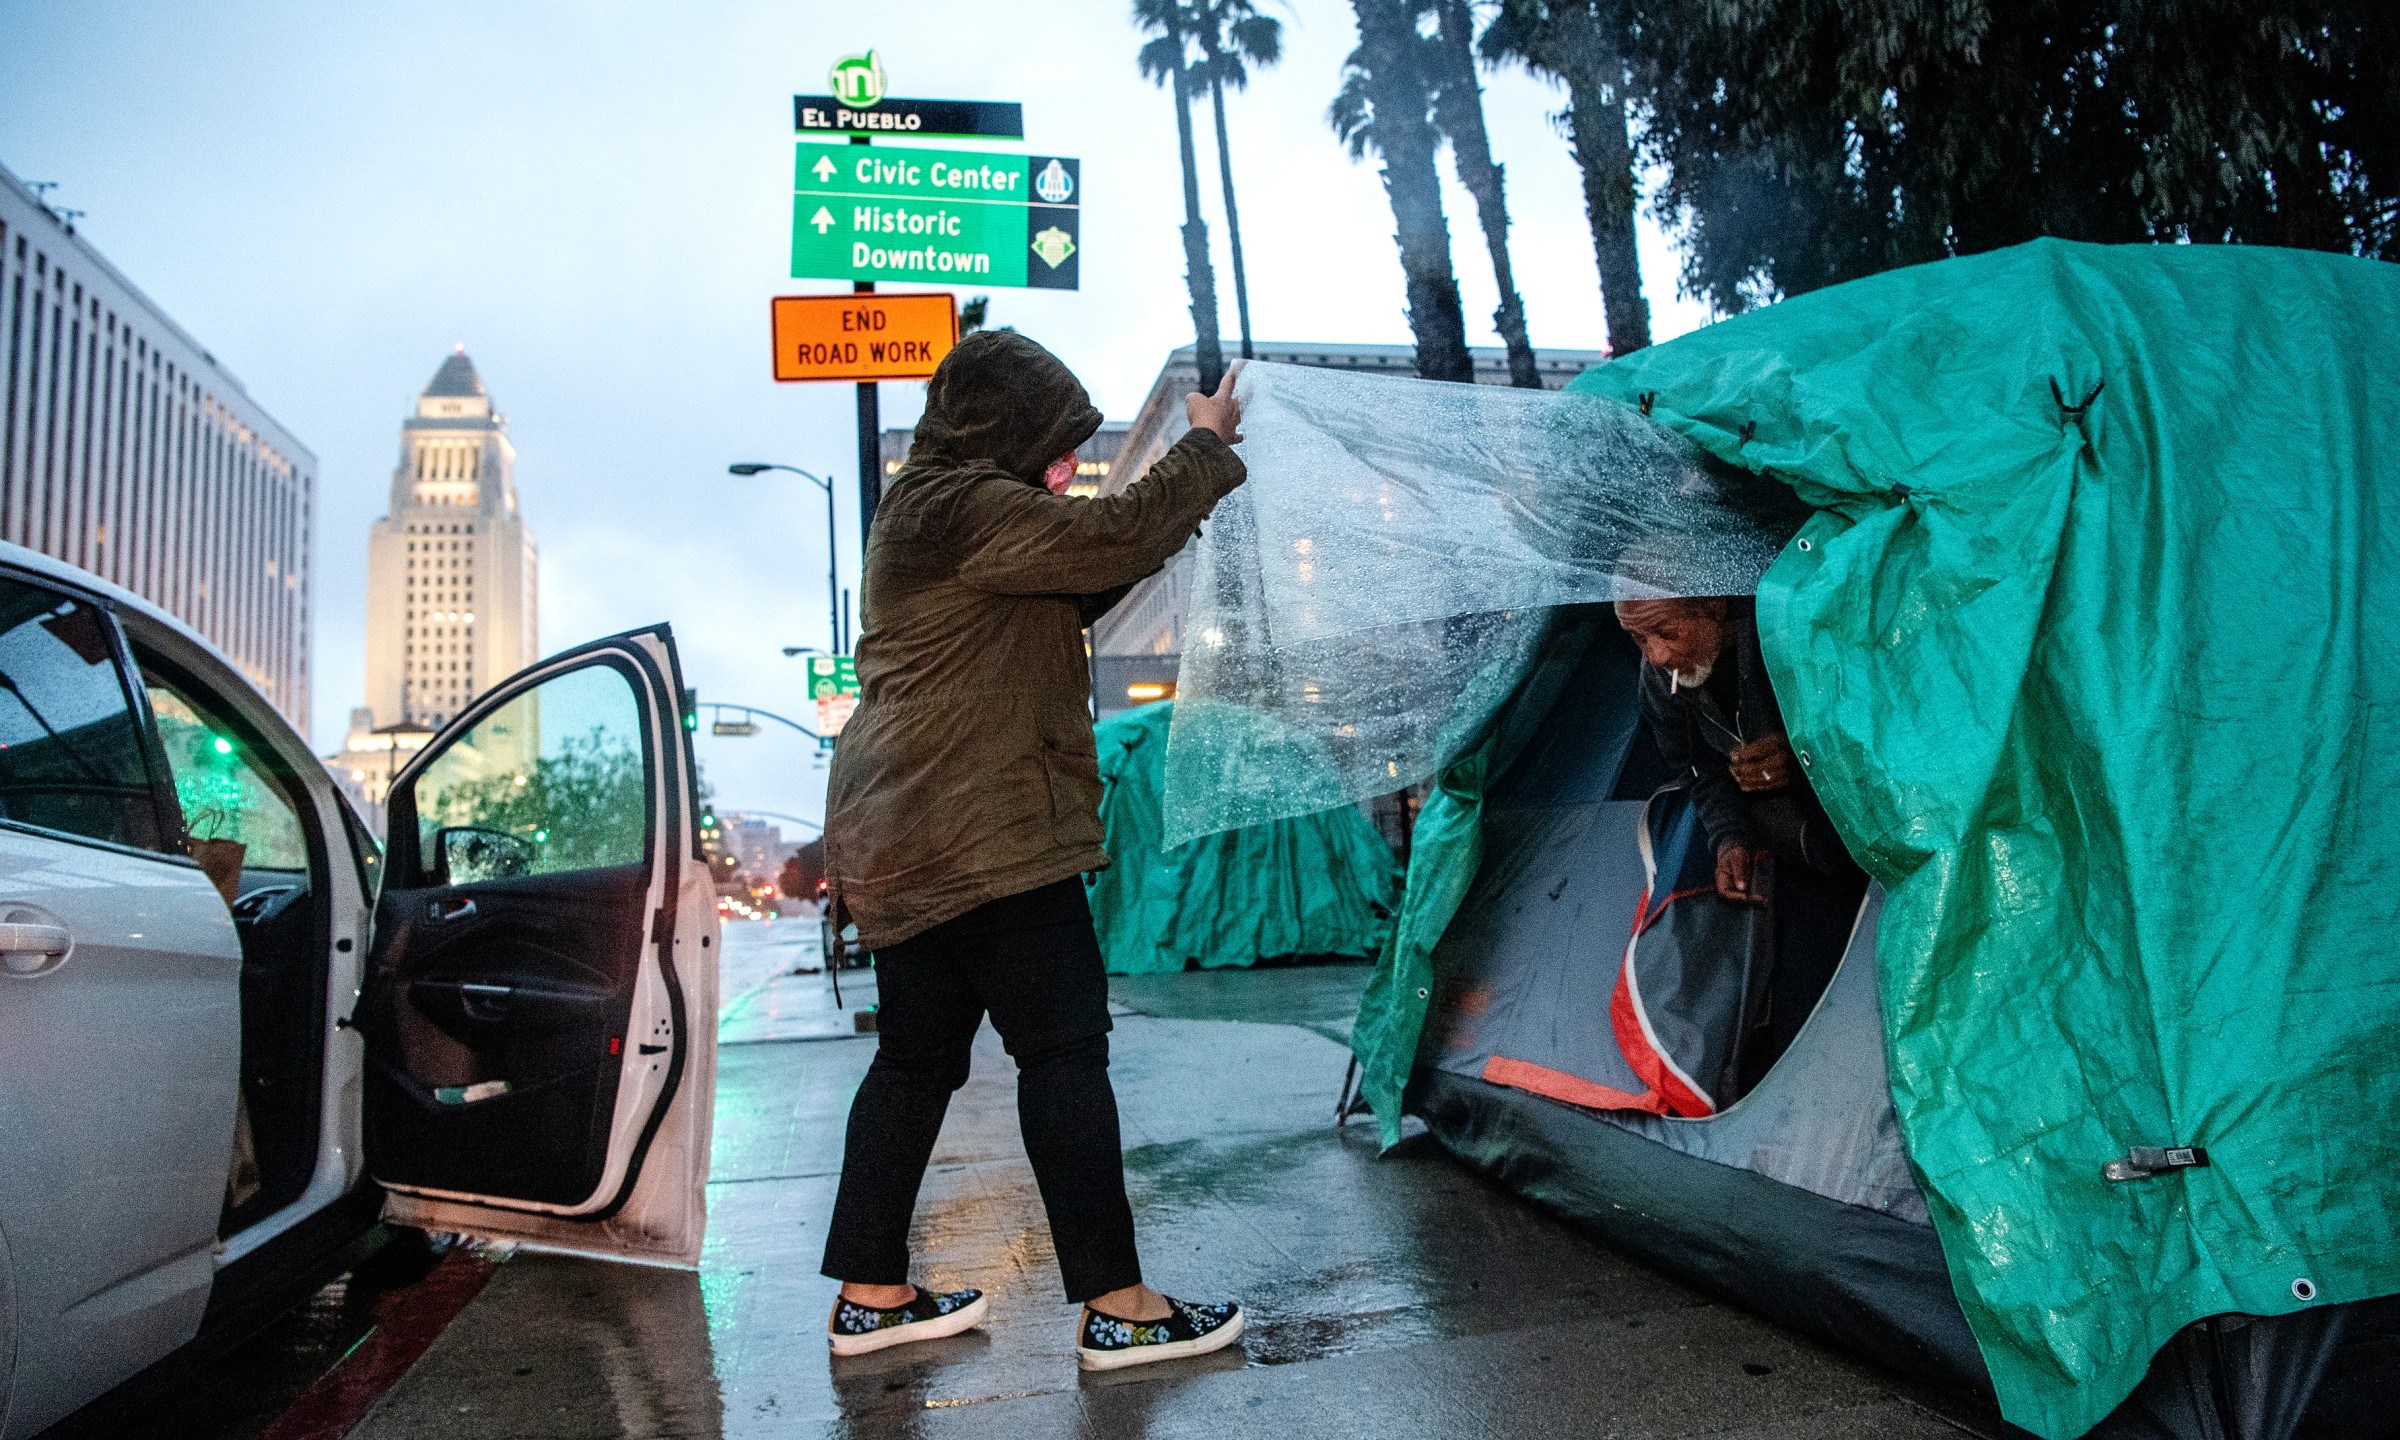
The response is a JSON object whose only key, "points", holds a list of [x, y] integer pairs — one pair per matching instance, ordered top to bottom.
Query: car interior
{"points": [[247, 824]]}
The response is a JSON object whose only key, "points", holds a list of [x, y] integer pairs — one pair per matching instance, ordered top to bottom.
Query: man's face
{"points": [[1681, 636]]}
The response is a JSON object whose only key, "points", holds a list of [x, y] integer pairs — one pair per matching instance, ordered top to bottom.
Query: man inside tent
{"points": [[1708, 702]]}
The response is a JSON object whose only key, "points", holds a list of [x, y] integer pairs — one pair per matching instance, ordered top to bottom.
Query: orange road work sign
{"points": [[862, 337]]}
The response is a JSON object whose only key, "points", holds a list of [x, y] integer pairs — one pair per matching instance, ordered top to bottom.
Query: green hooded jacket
{"points": [[968, 772]]}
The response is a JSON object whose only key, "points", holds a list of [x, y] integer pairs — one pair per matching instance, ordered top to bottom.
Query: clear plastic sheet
{"points": [[1361, 606]]}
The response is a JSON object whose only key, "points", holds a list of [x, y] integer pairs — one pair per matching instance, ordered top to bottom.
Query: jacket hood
{"points": [[999, 398]]}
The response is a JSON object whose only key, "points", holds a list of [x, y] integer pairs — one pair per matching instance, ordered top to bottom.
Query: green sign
{"points": [[936, 217], [831, 676], [833, 684]]}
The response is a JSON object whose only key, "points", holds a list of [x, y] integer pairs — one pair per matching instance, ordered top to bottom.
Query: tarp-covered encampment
{"points": [[2086, 651], [1309, 885]]}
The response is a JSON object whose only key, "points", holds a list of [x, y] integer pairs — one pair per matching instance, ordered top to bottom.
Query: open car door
{"points": [[540, 1002]]}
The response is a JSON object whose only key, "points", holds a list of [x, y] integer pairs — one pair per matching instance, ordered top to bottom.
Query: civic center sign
{"points": [[936, 217]]}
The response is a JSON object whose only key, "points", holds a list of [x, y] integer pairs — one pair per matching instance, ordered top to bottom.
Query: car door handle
{"points": [[454, 909], [27, 950], [485, 1002]]}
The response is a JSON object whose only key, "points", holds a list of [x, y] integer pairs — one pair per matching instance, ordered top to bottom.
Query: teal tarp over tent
{"points": [[2090, 655], [1320, 884]]}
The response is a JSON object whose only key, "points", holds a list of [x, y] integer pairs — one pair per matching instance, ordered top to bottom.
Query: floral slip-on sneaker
{"points": [[855, 1329], [1107, 1343]]}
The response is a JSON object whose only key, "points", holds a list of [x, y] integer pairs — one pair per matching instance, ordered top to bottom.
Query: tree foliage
{"points": [[1233, 36], [1582, 44], [1166, 58], [1385, 106], [1806, 142], [585, 807]]}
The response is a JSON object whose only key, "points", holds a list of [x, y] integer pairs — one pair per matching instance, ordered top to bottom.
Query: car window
{"points": [[71, 754], [554, 780], [224, 792]]}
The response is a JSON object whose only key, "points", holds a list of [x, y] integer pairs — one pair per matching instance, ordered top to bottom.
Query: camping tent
{"points": [[2085, 650], [1309, 885]]}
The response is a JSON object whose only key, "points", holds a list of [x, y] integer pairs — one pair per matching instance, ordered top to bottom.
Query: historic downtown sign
{"points": [[939, 217]]}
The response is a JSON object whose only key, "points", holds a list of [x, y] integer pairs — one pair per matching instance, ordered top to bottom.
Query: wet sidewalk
{"points": [[1392, 1297]]}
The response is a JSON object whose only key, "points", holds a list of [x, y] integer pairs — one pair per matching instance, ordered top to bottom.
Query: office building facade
{"points": [[125, 448]]}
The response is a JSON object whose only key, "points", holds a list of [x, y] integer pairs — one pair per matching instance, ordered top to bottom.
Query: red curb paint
{"points": [[333, 1406]]}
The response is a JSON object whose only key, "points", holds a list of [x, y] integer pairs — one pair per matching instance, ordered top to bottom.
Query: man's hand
{"points": [[1220, 412], [1762, 764], [1742, 874]]}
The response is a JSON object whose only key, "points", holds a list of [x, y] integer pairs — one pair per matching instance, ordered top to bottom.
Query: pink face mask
{"points": [[1060, 475]]}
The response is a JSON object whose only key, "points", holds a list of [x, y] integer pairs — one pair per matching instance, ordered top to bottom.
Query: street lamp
{"points": [[833, 567]]}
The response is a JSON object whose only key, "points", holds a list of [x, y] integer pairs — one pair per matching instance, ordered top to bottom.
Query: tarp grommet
{"points": [[1805, 544], [1805, 760], [1423, 993], [2304, 1289]]}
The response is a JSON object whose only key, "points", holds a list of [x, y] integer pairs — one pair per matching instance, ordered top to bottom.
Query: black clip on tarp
{"points": [[2144, 1161]]}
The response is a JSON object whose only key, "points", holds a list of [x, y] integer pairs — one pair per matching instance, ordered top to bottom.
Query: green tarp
{"points": [[2105, 697], [1316, 885]]}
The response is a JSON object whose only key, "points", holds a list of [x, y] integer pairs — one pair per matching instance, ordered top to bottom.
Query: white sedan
{"points": [[235, 1028]]}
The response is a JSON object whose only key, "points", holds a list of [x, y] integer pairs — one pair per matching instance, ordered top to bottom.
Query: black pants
{"points": [[1032, 962]]}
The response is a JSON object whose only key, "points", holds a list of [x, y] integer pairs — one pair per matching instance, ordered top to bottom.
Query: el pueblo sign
{"points": [[858, 106], [927, 216]]}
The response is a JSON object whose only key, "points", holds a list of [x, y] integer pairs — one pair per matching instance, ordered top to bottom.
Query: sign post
{"points": [[924, 216], [870, 421]]}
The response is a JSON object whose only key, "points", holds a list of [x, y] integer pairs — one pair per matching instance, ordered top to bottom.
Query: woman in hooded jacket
{"points": [[962, 812]]}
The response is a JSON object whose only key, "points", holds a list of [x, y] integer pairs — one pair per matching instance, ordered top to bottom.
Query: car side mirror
{"points": [[472, 852]]}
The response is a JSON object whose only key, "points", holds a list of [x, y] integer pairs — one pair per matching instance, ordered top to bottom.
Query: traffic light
{"points": [[691, 710]]}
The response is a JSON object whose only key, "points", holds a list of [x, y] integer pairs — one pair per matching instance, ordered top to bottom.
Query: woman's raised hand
{"points": [[1220, 412]]}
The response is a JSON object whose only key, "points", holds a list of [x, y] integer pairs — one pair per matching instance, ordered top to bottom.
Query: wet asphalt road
{"points": [[1398, 1296]]}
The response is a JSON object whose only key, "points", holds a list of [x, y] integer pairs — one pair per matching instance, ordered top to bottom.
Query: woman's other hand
{"points": [[1220, 412]]}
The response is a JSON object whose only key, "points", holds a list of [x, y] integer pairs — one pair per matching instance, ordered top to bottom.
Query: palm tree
{"points": [[1234, 36], [1576, 40], [1168, 58], [1385, 105], [1458, 108]]}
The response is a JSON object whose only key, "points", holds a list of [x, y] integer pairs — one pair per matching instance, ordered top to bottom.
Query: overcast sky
{"points": [[595, 199]]}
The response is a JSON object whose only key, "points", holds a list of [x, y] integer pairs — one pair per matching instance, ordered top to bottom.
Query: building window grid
{"points": [[12, 295], [37, 378], [98, 432], [49, 477]]}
